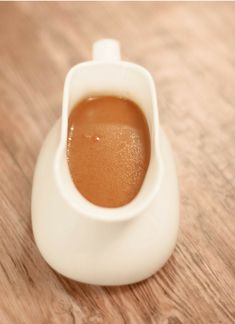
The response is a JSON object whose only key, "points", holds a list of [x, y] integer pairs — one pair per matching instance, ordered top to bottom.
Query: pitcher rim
{"points": [[105, 213]]}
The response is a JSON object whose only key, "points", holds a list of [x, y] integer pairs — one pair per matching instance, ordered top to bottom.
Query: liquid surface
{"points": [[108, 150]]}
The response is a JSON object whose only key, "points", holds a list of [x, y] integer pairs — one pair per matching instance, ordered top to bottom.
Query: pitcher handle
{"points": [[106, 50]]}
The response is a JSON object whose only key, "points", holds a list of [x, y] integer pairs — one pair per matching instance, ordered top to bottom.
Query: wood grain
{"points": [[190, 50]]}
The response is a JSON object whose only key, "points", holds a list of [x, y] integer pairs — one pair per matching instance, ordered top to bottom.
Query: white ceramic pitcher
{"points": [[88, 243]]}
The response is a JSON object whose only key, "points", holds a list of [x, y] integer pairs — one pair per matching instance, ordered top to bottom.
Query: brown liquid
{"points": [[108, 150]]}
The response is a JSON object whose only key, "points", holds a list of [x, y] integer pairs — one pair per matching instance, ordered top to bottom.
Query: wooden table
{"points": [[190, 50]]}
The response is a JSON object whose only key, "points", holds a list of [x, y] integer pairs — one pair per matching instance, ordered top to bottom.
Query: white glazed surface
{"points": [[105, 246], [97, 252]]}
